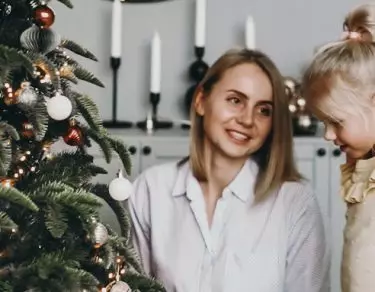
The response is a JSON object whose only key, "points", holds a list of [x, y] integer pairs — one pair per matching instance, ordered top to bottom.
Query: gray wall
{"points": [[287, 30]]}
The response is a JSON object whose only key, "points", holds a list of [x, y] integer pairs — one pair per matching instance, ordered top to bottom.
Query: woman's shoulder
{"points": [[163, 171], [161, 180], [298, 194]]}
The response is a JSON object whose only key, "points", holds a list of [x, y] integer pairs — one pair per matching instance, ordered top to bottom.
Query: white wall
{"points": [[287, 30]]}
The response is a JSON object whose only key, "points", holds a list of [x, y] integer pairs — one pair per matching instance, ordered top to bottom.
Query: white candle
{"points": [[200, 22], [116, 29], [250, 33], [155, 64]]}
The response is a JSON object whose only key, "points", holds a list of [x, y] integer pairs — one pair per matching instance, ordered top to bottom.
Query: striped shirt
{"points": [[274, 246]]}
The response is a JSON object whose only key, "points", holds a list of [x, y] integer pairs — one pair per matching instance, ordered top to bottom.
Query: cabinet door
{"points": [[160, 151], [313, 163], [116, 165], [338, 210]]}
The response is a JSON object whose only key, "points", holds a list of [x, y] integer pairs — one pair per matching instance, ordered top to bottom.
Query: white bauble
{"points": [[59, 107], [120, 188], [120, 287]]}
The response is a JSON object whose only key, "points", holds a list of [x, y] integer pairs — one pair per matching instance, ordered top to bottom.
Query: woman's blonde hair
{"points": [[341, 76], [275, 157]]}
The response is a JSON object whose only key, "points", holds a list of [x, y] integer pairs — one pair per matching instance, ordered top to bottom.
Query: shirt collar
{"points": [[242, 186]]}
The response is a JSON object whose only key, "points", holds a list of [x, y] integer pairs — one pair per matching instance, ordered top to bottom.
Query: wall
{"points": [[287, 30]]}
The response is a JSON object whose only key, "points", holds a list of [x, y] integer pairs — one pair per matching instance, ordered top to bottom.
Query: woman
{"points": [[233, 216]]}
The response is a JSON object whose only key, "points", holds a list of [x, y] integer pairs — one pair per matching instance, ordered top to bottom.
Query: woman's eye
{"points": [[234, 100], [265, 110]]}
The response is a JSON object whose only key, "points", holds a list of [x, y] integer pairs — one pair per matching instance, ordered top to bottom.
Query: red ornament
{"points": [[44, 16], [27, 130], [74, 136]]}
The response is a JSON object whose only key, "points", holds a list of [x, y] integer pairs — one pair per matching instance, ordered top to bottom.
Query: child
{"points": [[339, 87]]}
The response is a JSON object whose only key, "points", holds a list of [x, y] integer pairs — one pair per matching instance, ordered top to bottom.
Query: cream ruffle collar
{"points": [[357, 180]]}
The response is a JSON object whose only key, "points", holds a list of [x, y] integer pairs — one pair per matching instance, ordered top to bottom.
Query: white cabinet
{"points": [[316, 159]]}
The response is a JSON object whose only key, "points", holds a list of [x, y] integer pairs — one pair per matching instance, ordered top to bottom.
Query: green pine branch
{"points": [[67, 3], [77, 49], [11, 59], [46, 65], [87, 76], [71, 77], [89, 111], [38, 117], [9, 130], [102, 141], [119, 147], [5, 156], [71, 168], [13, 195], [77, 200], [123, 219], [56, 220], [6, 222], [108, 256], [131, 257], [53, 272], [142, 283], [5, 286]]}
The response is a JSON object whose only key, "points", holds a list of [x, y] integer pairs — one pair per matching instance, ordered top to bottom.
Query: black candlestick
{"points": [[197, 71], [114, 123], [154, 123]]}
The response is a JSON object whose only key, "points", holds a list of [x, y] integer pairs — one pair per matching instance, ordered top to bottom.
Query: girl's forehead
{"points": [[328, 108]]}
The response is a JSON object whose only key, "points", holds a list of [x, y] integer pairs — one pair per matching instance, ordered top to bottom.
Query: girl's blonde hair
{"points": [[341, 76], [275, 157]]}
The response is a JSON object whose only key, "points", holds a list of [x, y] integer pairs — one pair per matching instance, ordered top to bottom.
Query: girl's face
{"points": [[237, 114], [351, 129]]}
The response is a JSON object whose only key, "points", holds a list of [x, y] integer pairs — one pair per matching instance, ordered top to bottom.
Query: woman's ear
{"points": [[199, 103]]}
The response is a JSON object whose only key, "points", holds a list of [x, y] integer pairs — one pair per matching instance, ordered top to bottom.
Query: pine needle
{"points": [[76, 48], [13, 195]]}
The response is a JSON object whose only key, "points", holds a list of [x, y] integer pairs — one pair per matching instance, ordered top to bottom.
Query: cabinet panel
{"points": [[157, 152], [313, 163], [115, 165], [338, 210]]}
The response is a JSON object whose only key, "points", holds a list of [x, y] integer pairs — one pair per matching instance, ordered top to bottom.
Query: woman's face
{"points": [[237, 114]]}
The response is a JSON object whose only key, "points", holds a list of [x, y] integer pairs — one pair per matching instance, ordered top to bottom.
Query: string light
{"points": [[7, 182]]}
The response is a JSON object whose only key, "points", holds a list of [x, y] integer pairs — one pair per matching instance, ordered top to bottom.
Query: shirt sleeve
{"points": [[139, 209], [308, 256]]}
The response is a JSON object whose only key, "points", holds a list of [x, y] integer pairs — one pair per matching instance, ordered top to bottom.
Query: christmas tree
{"points": [[51, 237]]}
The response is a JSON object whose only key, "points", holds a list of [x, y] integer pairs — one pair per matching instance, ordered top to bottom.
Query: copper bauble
{"points": [[43, 16], [74, 136]]}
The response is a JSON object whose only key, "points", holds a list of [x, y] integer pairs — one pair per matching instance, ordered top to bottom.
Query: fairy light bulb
{"points": [[7, 183]]}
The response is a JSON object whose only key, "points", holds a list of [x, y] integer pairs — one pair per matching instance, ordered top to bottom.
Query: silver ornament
{"points": [[40, 40], [27, 94], [100, 235], [120, 287]]}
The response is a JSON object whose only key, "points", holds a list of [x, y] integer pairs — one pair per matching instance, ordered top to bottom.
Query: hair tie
{"points": [[351, 35]]}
